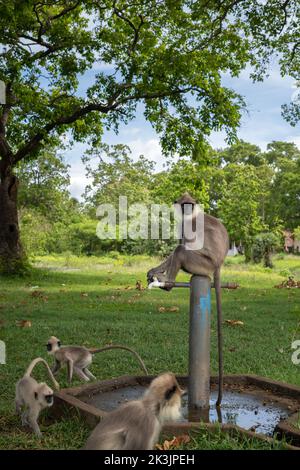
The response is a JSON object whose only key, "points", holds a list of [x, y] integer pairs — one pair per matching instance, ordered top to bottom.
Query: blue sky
{"points": [[261, 124]]}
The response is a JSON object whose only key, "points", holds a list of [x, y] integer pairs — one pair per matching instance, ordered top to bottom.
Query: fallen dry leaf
{"points": [[288, 284], [139, 285], [125, 288], [39, 294], [84, 294], [168, 309], [234, 322], [24, 323], [174, 443]]}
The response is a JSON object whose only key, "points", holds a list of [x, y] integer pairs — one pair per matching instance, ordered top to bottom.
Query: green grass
{"points": [[110, 312], [219, 440]]}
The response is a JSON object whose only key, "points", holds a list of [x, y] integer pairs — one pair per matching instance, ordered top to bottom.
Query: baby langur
{"points": [[78, 358], [33, 396], [136, 425]]}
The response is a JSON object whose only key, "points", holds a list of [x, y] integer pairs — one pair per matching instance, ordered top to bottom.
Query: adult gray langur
{"points": [[205, 261], [136, 425]]}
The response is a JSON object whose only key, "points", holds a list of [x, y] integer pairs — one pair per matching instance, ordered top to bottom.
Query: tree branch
{"points": [[136, 30], [112, 104], [5, 150]]}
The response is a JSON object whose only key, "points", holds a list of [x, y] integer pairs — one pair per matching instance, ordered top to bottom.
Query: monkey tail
{"points": [[217, 283], [125, 348], [32, 366]]}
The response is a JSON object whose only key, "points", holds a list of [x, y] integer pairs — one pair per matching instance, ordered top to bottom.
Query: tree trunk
{"points": [[11, 253]]}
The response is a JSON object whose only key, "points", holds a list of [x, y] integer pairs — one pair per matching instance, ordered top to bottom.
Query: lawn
{"points": [[93, 301]]}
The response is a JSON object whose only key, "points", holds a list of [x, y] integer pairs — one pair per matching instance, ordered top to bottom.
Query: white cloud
{"points": [[102, 66], [131, 131], [150, 148]]}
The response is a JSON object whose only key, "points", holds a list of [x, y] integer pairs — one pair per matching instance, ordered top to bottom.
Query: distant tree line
{"points": [[256, 194]]}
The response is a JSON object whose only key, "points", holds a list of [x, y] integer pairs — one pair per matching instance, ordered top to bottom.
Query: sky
{"points": [[261, 124]]}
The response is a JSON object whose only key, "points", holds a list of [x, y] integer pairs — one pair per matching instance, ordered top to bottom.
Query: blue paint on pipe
{"points": [[205, 304]]}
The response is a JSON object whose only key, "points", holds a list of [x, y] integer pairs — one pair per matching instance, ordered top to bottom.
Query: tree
{"points": [[158, 53], [242, 152], [115, 174], [182, 176], [44, 185], [284, 201], [239, 207], [297, 233], [264, 245]]}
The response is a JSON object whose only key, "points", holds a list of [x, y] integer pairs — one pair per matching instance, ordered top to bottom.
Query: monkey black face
{"points": [[153, 275], [50, 345], [169, 393], [49, 399]]}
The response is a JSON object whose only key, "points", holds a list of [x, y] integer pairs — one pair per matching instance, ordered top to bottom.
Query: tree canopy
{"points": [[169, 54]]}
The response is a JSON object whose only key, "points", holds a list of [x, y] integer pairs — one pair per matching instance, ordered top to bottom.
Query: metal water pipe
{"points": [[199, 342]]}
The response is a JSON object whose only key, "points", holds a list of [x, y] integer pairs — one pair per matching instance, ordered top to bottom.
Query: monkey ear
{"points": [[58, 344], [169, 393], [36, 395]]}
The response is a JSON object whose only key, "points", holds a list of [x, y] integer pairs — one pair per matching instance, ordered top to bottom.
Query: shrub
{"points": [[264, 245]]}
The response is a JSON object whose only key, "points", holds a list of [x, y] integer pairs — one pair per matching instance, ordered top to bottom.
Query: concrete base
{"points": [[250, 404]]}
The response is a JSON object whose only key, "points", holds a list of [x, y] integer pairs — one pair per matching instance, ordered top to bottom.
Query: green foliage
{"points": [[153, 52], [159, 53], [170, 57], [284, 160], [115, 174], [182, 176], [44, 185], [243, 194], [239, 205], [35, 230], [297, 233], [83, 238], [263, 246], [16, 267]]}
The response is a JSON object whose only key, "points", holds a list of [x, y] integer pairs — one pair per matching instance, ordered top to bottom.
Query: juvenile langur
{"points": [[205, 261], [78, 358], [33, 396], [136, 425]]}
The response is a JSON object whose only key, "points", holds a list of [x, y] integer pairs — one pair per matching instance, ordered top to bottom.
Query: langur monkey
{"points": [[206, 261], [79, 358], [33, 396], [136, 425]]}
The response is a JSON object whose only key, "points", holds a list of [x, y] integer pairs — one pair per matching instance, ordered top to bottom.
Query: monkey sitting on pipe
{"points": [[204, 261], [78, 358], [33, 396], [136, 425]]}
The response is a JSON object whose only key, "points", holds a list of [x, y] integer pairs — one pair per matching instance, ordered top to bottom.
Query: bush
{"points": [[34, 229], [264, 245]]}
